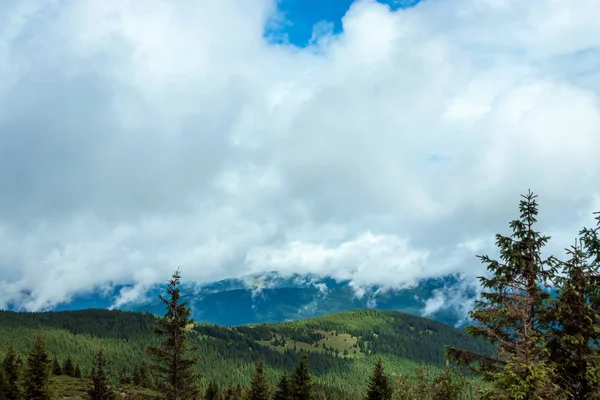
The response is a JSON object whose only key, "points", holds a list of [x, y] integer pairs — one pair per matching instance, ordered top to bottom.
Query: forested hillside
{"points": [[342, 347]]}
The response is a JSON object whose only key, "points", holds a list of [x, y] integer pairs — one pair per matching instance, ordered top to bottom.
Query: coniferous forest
{"points": [[534, 334]]}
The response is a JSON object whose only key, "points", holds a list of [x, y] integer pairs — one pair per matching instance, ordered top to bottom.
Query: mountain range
{"points": [[275, 298]]}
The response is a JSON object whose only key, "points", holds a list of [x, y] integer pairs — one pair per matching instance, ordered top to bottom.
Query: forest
{"points": [[534, 334]]}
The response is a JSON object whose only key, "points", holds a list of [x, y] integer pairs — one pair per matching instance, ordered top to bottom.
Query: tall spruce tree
{"points": [[511, 312], [574, 314], [172, 359], [11, 366], [68, 367], [56, 369], [37, 372], [77, 372], [301, 384], [259, 387], [380, 387], [100, 388], [283, 389], [213, 391]]}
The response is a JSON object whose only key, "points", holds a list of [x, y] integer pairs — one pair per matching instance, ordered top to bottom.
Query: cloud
{"points": [[137, 139]]}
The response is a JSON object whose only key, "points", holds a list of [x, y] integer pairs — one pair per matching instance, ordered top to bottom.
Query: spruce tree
{"points": [[511, 312], [574, 332], [172, 360], [11, 366], [68, 367], [56, 370], [37, 372], [77, 372], [124, 377], [136, 378], [145, 380], [301, 384], [379, 386], [447, 386], [100, 387], [259, 388], [283, 389], [213, 391]]}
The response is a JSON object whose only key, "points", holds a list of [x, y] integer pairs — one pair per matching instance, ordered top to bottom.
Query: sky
{"points": [[356, 140]]}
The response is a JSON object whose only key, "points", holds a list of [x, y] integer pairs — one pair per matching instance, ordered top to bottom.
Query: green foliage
{"points": [[575, 338], [172, 359], [69, 367], [11, 369], [56, 369], [37, 373], [301, 386], [100, 387], [259, 387], [379, 387], [283, 389], [213, 391]]}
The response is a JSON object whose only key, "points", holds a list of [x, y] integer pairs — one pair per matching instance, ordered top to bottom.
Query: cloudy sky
{"points": [[375, 142]]}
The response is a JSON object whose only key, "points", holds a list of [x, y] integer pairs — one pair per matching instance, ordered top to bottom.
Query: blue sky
{"points": [[302, 15]]}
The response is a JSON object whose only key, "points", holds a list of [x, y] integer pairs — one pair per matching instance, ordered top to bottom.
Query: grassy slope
{"points": [[229, 354]]}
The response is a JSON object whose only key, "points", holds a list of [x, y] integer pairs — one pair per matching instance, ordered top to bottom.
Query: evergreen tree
{"points": [[511, 312], [575, 333], [171, 359], [11, 366], [68, 367], [56, 370], [77, 372], [37, 373], [124, 378], [136, 378], [145, 380], [301, 384], [3, 386], [446, 386], [379, 387], [100, 388], [259, 388], [283, 389], [213, 391]]}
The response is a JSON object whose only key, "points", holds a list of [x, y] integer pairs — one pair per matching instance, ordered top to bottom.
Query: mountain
{"points": [[273, 298], [342, 347]]}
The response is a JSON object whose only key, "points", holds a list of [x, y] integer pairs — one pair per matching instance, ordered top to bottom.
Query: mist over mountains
{"points": [[276, 298]]}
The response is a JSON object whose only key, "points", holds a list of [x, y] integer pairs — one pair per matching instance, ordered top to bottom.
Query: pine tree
{"points": [[511, 312], [171, 359], [11, 366], [68, 367], [56, 370], [37, 373], [301, 384], [379, 387], [100, 388], [259, 388], [283, 389], [213, 391]]}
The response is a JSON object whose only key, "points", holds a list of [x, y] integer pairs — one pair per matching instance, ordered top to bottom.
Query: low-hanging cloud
{"points": [[135, 139]]}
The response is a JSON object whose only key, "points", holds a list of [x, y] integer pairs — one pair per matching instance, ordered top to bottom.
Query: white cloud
{"points": [[137, 139]]}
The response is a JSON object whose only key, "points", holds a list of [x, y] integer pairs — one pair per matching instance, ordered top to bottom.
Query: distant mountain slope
{"points": [[272, 298], [342, 346]]}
